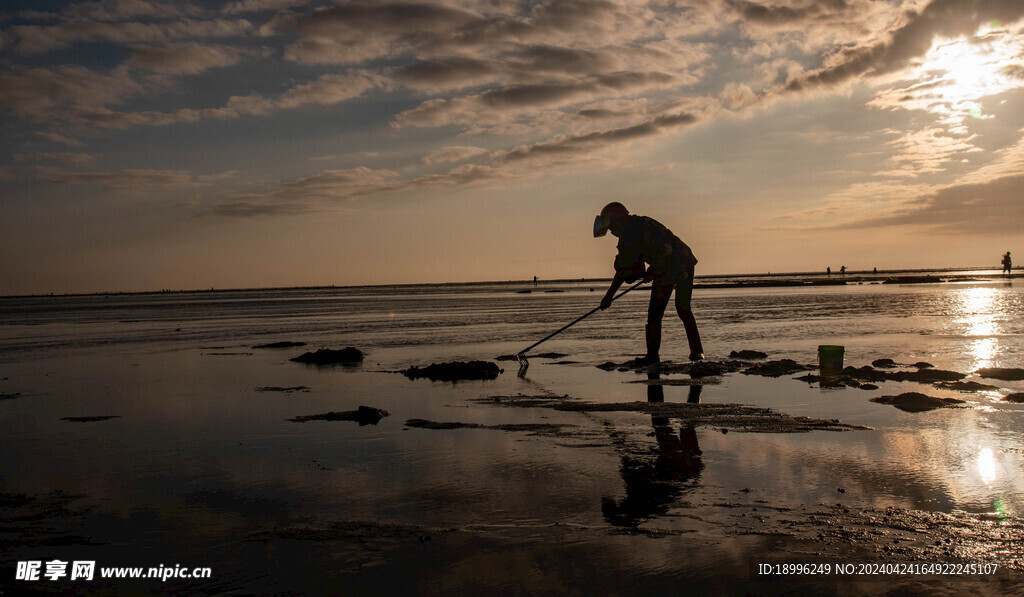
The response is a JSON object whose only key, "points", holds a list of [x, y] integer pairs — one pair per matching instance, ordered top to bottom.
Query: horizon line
{"points": [[484, 282]]}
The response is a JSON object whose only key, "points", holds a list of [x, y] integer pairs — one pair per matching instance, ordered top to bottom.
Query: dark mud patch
{"points": [[284, 344], [748, 355], [327, 356], [885, 363], [778, 368], [694, 369], [455, 371], [1001, 373], [923, 375], [867, 376], [840, 381], [965, 386], [288, 390], [10, 396], [1015, 398], [914, 402], [365, 415], [732, 417], [90, 419], [554, 429]]}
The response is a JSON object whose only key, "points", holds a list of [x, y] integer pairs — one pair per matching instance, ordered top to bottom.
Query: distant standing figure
{"points": [[643, 240], [1007, 263], [842, 270], [828, 271], [535, 280]]}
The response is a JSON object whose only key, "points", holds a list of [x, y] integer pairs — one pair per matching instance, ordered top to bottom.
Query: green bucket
{"points": [[830, 360]]}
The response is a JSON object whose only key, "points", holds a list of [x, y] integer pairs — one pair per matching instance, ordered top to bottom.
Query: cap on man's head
{"points": [[604, 221]]}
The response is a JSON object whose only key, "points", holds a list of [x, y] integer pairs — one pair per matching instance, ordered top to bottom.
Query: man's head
{"points": [[612, 217]]}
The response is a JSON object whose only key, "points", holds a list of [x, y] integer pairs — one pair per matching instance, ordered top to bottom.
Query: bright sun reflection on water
{"points": [[977, 313], [987, 466]]}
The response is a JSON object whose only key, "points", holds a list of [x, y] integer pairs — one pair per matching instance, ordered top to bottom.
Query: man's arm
{"points": [[608, 296]]}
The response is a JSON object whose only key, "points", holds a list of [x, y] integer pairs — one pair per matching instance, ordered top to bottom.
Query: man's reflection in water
{"points": [[654, 483]]}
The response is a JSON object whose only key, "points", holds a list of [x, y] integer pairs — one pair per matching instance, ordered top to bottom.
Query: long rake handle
{"points": [[575, 321]]}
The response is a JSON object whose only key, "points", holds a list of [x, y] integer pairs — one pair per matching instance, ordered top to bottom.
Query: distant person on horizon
{"points": [[643, 240], [1007, 263], [842, 270], [828, 271]]}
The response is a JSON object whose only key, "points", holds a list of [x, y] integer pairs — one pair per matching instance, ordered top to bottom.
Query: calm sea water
{"points": [[198, 458]]}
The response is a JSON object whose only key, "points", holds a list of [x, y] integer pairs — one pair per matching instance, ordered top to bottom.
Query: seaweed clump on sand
{"points": [[327, 356], [454, 371], [1015, 398], [914, 402], [365, 415], [90, 419]]}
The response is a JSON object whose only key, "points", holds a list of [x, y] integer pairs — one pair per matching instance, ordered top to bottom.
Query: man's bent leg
{"points": [[684, 292], [660, 294]]}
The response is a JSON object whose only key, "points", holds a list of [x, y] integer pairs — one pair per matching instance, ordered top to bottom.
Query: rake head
{"points": [[523, 363]]}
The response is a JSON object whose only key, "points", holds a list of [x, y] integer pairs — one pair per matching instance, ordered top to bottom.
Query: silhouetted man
{"points": [[643, 240], [1007, 263]]}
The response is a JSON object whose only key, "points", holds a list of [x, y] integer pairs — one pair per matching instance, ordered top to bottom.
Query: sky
{"points": [[275, 143]]}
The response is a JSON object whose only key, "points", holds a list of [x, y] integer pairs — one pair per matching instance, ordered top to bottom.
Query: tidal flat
{"points": [[146, 431]]}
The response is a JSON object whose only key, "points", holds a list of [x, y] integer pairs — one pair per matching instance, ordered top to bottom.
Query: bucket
{"points": [[830, 360]]}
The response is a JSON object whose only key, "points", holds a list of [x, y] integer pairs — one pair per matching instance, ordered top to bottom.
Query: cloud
{"points": [[243, 6], [121, 10], [354, 32], [36, 39], [183, 58], [447, 73], [45, 94], [79, 96], [499, 105], [58, 138], [595, 141], [926, 151], [455, 153], [67, 157], [133, 180], [136, 180], [327, 188], [982, 201], [974, 208], [249, 209]]}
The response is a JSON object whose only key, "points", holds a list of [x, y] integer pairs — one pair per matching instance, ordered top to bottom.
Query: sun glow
{"points": [[954, 77]]}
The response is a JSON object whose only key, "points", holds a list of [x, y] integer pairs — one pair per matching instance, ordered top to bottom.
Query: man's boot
{"points": [[692, 336]]}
